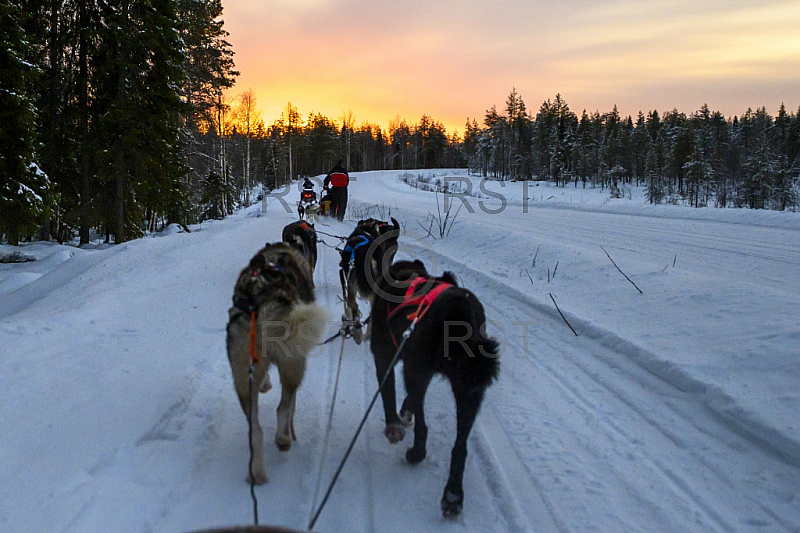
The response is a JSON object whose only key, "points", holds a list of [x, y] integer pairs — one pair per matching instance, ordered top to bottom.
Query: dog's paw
{"points": [[358, 335], [266, 385], [407, 418], [395, 433], [284, 444], [415, 455], [260, 478], [452, 504]]}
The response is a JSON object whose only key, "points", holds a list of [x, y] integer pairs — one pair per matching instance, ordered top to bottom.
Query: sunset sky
{"points": [[453, 59]]}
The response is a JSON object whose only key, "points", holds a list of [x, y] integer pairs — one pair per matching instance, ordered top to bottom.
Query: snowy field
{"points": [[676, 409]]}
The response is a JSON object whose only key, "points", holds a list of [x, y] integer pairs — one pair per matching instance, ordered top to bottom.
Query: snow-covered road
{"points": [[674, 410]]}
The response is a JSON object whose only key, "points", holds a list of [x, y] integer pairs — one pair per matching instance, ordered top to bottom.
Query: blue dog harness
{"points": [[352, 249]]}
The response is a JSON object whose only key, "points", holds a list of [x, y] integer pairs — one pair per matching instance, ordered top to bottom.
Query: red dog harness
{"points": [[422, 303]]}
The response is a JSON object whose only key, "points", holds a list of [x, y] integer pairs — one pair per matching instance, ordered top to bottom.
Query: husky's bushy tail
{"points": [[306, 324], [479, 353]]}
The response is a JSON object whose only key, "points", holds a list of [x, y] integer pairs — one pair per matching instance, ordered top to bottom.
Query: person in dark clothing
{"points": [[336, 183]]}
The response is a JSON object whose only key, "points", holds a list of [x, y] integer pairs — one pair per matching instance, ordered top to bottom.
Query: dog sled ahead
{"points": [[326, 205], [308, 208]]}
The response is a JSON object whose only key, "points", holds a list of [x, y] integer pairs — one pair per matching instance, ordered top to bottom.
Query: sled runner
{"points": [[325, 208]]}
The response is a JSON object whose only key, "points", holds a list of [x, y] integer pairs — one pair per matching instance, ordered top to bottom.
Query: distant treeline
{"points": [[114, 122], [293, 147], [701, 159]]}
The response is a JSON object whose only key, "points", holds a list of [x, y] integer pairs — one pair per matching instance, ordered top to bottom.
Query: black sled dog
{"points": [[302, 236], [369, 249], [274, 300], [449, 339]]}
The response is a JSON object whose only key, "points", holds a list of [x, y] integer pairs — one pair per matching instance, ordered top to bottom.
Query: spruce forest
{"points": [[116, 118]]}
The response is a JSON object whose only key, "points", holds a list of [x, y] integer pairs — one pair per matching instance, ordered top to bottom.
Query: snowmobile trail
{"points": [[672, 411], [516, 492], [342, 508]]}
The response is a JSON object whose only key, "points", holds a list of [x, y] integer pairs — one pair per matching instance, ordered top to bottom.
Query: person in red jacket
{"points": [[336, 183]]}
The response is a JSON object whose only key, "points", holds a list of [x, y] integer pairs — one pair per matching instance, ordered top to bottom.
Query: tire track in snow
{"points": [[584, 406], [348, 410], [695, 422], [672, 435], [556, 436], [369, 443], [316, 468], [514, 492]]}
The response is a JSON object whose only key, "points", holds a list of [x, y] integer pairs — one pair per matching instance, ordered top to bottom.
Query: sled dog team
{"points": [[437, 326]]}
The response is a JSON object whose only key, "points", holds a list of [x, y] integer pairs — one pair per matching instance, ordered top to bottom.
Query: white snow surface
{"points": [[673, 410]]}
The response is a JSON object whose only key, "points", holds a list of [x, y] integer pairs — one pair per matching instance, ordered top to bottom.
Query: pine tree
{"points": [[208, 61], [209, 68], [141, 111], [515, 111], [470, 144], [322, 146], [639, 148], [698, 173], [759, 173], [24, 189], [655, 190]]}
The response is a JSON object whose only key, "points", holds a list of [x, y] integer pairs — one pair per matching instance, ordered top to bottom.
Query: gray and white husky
{"points": [[274, 296]]}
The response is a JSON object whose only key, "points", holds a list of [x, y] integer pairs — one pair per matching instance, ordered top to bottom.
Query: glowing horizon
{"points": [[455, 60]]}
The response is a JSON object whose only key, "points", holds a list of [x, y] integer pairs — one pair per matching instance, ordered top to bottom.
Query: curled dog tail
{"points": [[307, 324], [485, 349], [488, 350], [476, 356], [474, 360]]}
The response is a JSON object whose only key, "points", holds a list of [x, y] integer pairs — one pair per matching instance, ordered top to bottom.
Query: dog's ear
{"points": [[395, 223], [258, 261], [419, 267], [403, 271], [449, 277]]}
